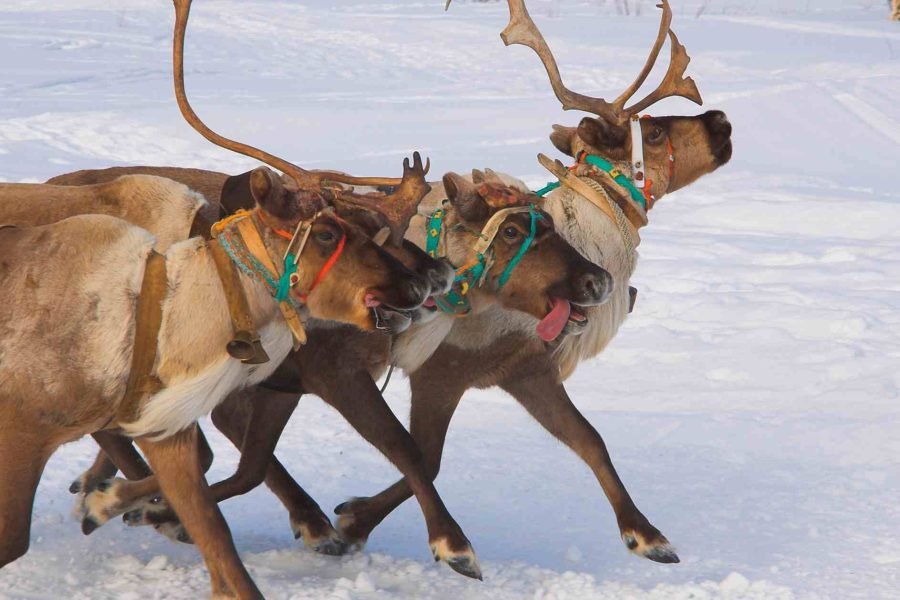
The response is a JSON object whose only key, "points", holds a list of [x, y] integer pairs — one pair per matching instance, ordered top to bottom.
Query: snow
{"points": [[751, 401]]}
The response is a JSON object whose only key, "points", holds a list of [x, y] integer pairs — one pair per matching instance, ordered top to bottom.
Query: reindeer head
{"points": [[676, 150], [297, 208], [531, 269], [343, 275]]}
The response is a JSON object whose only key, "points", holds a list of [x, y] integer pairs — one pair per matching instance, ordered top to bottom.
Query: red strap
{"points": [[331, 259], [327, 266]]}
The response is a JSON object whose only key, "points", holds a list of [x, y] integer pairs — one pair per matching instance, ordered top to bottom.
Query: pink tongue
{"points": [[371, 301], [430, 303], [552, 325]]}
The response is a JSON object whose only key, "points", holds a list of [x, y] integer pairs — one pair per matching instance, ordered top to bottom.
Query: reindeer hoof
{"points": [[75, 488], [134, 518], [89, 525], [351, 528], [175, 532], [328, 543], [331, 547], [658, 550], [463, 561]]}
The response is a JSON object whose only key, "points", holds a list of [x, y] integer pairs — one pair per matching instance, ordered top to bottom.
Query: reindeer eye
{"points": [[656, 135], [510, 232], [326, 236]]}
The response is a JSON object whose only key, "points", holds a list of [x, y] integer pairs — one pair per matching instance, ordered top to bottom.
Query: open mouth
{"points": [[562, 316], [387, 319]]}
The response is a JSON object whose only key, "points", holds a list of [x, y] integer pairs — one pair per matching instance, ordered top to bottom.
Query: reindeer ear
{"points": [[599, 133], [562, 138], [477, 176], [268, 192], [279, 197], [464, 198]]}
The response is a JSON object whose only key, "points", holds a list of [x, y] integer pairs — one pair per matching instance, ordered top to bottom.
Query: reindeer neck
{"points": [[196, 323]]}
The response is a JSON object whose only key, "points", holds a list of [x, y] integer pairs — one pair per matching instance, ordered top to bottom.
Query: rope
{"points": [[387, 379]]}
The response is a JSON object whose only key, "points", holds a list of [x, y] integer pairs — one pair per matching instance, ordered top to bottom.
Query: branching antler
{"points": [[522, 30], [401, 204], [393, 206]]}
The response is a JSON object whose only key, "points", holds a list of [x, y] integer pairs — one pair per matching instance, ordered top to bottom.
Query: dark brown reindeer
{"points": [[600, 216], [254, 418]]}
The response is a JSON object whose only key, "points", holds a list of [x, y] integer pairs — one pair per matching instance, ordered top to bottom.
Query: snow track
{"points": [[751, 403]]}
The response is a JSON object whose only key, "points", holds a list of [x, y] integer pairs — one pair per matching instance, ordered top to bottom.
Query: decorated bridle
{"points": [[475, 272]]}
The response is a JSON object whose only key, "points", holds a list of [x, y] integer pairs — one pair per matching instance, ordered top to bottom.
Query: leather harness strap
{"points": [[570, 180], [250, 234], [245, 344], [142, 381]]}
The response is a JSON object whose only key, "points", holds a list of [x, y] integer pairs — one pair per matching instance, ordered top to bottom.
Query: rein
{"points": [[474, 274]]}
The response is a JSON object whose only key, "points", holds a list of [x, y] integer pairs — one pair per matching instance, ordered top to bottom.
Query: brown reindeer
{"points": [[600, 217], [90, 297], [253, 419]]}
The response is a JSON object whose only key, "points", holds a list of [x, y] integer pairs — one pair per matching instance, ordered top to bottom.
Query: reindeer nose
{"points": [[717, 124], [441, 277], [594, 286], [414, 293]]}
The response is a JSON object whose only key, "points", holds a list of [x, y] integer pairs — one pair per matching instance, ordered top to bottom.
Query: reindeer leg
{"points": [[536, 388], [357, 398], [431, 410], [253, 421], [23, 455], [176, 463], [102, 469], [308, 521]]}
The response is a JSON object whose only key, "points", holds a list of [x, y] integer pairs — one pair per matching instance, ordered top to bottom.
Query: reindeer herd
{"points": [[138, 299]]}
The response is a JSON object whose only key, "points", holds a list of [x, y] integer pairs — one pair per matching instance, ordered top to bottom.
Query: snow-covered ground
{"points": [[750, 403]]}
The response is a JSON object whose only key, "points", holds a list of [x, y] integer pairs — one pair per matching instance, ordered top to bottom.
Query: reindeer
{"points": [[624, 164], [498, 347], [146, 365], [254, 418]]}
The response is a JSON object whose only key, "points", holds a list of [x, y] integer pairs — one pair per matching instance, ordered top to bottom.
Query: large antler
{"points": [[522, 30], [306, 180]]}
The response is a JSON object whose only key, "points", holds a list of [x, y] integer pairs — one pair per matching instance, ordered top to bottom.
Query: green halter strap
{"points": [[604, 165], [456, 301]]}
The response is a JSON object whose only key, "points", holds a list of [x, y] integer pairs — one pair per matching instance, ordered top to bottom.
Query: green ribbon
{"points": [[606, 166], [284, 282], [456, 301]]}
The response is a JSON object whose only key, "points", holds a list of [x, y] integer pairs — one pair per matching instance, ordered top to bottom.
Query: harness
{"points": [[631, 195], [239, 237], [236, 245], [475, 272]]}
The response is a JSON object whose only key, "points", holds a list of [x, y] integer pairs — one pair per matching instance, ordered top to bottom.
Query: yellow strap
{"points": [[250, 234]]}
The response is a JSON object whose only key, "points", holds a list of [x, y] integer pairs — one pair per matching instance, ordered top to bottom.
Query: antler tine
{"points": [[664, 23], [522, 30], [674, 83], [304, 179], [403, 202]]}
